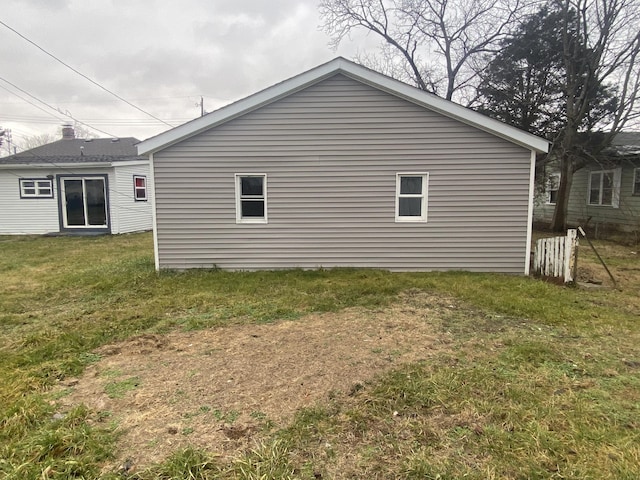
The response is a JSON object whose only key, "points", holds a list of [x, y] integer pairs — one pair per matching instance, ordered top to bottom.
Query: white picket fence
{"points": [[556, 256]]}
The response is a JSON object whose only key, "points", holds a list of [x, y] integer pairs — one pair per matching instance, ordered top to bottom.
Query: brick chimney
{"points": [[67, 132]]}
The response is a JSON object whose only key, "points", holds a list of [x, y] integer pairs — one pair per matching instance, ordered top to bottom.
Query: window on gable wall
{"points": [[553, 182], [36, 188], [139, 188], [604, 188], [411, 197], [251, 198]]}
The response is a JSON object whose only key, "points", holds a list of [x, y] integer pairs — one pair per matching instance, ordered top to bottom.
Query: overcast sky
{"points": [[161, 55]]}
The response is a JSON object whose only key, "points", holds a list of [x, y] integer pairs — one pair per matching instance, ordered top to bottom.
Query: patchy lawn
{"points": [[110, 370], [221, 389]]}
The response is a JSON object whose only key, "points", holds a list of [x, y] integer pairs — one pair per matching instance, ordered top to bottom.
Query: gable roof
{"points": [[357, 72], [78, 151]]}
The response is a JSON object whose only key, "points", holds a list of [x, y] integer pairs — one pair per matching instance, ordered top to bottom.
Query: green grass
{"points": [[541, 381], [120, 389]]}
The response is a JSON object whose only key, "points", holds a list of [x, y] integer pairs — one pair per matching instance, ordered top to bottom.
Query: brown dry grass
{"points": [[218, 389]]}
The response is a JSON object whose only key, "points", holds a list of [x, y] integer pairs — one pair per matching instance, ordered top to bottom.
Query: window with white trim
{"points": [[636, 181], [553, 183], [36, 188], [140, 188], [604, 188], [411, 197], [251, 198]]}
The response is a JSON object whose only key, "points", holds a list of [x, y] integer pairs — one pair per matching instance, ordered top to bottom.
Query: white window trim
{"points": [[636, 178], [37, 187], [548, 187], [136, 188], [423, 195], [615, 195], [239, 218]]}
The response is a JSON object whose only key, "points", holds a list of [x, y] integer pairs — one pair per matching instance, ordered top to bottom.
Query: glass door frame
{"points": [[62, 206]]}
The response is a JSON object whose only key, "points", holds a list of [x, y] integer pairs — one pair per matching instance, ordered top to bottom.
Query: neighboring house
{"points": [[341, 166], [76, 186], [605, 195]]}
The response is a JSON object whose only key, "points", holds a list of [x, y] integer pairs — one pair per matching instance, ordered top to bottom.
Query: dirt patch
{"points": [[219, 389]]}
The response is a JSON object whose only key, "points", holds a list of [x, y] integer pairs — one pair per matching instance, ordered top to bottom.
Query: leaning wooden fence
{"points": [[556, 256]]}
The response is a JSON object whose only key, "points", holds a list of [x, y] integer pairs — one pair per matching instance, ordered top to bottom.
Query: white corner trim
{"points": [[359, 73], [532, 175], [154, 218]]}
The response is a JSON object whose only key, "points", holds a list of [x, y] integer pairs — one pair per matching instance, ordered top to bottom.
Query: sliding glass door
{"points": [[84, 202]]}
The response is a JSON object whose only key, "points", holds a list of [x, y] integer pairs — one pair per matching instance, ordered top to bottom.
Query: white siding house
{"points": [[343, 167], [76, 186]]}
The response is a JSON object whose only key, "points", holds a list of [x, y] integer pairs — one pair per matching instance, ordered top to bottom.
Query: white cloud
{"points": [[161, 55]]}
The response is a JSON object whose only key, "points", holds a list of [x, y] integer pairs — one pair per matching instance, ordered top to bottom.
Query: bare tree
{"points": [[601, 44], [438, 45], [34, 141]]}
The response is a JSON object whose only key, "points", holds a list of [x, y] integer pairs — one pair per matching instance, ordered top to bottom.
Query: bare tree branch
{"points": [[442, 42]]}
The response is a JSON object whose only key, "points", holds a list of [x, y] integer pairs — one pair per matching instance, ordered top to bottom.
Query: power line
{"points": [[84, 76], [29, 102], [66, 114], [70, 171]]}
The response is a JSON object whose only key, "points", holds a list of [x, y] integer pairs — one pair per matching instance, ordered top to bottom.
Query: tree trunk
{"points": [[559, 220]]}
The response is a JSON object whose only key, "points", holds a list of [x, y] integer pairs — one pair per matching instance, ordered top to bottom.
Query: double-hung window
{"points": [[636, 181], [553, 183], [36, 188], [139, 188], [604, 188], [411, 197], [251, 198]]}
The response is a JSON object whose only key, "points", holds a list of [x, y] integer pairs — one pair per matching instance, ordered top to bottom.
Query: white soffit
{"points": [[359, 73]]}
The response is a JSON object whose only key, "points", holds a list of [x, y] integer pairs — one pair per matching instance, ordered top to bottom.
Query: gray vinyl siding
{"points": [[331, 153], [625, 217]]}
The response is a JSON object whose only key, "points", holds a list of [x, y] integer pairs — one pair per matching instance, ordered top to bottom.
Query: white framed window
{"points": [[636, 181], [553, 182], [36, 188], [140, 188], [604, 188], [251, 197], [411, 197]]}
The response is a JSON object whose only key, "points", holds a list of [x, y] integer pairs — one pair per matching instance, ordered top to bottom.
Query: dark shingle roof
{"points": [[626, 138], [626, 143], [79, 151]]}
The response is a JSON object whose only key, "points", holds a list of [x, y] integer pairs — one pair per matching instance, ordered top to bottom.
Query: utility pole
{"points": [[201, 106], [6, 139]]}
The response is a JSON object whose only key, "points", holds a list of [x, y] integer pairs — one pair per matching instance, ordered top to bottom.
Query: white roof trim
{"points": [[357, 72], [131, 163], [53, 165]]}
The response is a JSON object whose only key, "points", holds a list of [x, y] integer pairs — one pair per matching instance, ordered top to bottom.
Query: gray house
{"points": [[341, 166], [75, 186], [605, 194]]}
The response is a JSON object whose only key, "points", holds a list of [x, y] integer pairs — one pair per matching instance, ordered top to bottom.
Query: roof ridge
{"points": [[359, 73]]}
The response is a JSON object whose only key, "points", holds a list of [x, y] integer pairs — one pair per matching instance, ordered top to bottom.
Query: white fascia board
{"points": [[357, 72], [448, 108], [236, 109], [133, 164]]}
